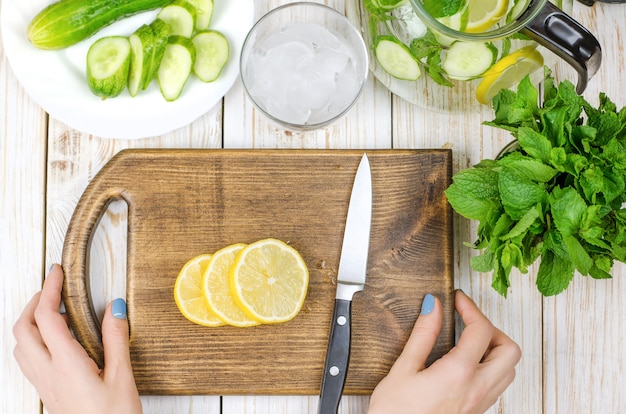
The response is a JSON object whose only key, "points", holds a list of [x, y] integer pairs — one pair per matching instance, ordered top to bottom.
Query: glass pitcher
{"points": [[462, 60]]}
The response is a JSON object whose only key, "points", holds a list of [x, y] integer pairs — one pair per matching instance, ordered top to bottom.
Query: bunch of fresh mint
{"points": [[559, 197]]}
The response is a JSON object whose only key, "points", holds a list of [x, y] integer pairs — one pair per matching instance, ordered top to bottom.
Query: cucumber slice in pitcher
{"points": [[204, 10], [181, 16], [141, 46], [212, 52], [396, 59], [468, 60], [108, 64], [176, 66]]}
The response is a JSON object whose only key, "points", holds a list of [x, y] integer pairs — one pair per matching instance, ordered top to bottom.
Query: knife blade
{"points": [[350, 280]]}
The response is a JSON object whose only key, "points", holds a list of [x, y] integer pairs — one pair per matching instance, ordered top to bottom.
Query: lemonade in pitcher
{"points": [[480, 46]]}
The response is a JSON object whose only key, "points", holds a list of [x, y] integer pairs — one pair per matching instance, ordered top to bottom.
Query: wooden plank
{"points": [[244, 127], [73, 160], [201, 201], [22, 204], [519, 316], [584, 328]]}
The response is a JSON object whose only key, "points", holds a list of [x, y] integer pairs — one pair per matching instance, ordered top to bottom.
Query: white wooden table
{"points": [[574, 354]]}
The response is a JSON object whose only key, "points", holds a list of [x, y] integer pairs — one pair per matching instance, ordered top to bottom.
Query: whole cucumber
{"points": [[68, 22]]}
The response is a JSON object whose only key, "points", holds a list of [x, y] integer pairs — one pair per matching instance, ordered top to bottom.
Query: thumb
{"points": [[423, 337], [115, 340]]}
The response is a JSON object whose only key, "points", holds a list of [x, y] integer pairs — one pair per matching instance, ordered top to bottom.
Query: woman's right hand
{"points": [[467, 380]]}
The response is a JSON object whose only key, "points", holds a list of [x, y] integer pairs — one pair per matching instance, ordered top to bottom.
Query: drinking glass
{"points": [[304, 65]]}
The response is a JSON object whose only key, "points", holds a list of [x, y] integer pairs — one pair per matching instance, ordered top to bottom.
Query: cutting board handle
{"points": [[76, 293]]}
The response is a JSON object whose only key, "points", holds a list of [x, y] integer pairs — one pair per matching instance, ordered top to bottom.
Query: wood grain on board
{"points": [[182, 203]]}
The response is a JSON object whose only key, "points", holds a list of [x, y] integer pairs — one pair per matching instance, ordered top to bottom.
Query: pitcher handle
{"points": [[568, 39]]}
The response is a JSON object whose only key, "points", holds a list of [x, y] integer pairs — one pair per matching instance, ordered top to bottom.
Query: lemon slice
{"points": [[483, 14], [507, 72], [269, 281], [216, 286], [189, 296]]}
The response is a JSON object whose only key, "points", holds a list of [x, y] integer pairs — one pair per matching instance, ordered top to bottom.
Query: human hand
{"points": [[67, 380], [467, 380]]}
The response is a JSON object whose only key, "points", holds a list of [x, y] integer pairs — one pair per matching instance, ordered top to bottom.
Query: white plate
{"points": [[56, 79]]}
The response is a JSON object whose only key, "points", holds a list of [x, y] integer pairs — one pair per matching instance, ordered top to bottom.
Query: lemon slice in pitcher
{"points": [[483, 14], [507, 72], [269, 281], [189, 296]]}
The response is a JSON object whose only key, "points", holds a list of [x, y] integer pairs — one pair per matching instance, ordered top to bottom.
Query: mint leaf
{"points": [[442, 8], [425, 46], [429, 48], [435, 70], [502, 105], [525, 105], [516, 109], [605, 120], [553, 122], [534, 143], [614, 153], [558, 158], [575, 164], [528, 168], [592, 182], [614, 185], [474, 193], [518, 193], [568, 208], [523, 224], [618, 250], [578, 255], [482, 263], [604, 263], [602, 267], [598, 273], [554, 274], [500, 280]]}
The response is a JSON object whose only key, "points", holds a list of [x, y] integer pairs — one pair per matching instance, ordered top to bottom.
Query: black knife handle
{"points": [[337, 357]]}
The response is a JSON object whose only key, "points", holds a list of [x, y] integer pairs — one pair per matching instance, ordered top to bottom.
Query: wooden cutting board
{"points": [[182, 203]]}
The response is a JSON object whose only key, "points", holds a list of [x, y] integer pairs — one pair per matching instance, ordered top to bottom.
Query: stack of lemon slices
{"points": [[241, 285]]}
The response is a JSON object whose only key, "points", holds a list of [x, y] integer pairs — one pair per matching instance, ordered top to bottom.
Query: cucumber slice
{"points": [[518, 8], [204, 10], [181, 16], [457, 21], [161, 31], [142, 47], [212, 52], [396, 59], [468, 60], [108, 63], [176, 66]]}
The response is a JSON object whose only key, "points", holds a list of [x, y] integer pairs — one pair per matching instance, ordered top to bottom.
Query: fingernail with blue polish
{"points": [[50, 268], [428, 304], [118, 308]]}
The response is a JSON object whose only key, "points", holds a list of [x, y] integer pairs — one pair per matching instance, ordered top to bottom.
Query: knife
{"points": [[350, 279]]}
